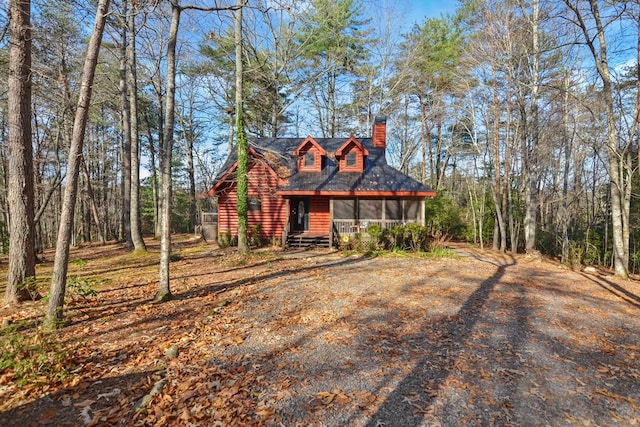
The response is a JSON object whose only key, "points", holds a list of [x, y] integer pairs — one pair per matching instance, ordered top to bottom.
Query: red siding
{"points": [[380, 135], [317, 165], [359, 166], [272, 215], [319, 215]]}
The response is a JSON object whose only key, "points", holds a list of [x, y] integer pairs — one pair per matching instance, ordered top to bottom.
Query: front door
{"points": [[300, 214]]}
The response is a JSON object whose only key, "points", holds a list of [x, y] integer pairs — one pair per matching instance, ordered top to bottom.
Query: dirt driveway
{"points": [[316, 338]]}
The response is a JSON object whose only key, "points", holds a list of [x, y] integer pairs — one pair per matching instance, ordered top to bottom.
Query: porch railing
{"points": [[348, 226]]}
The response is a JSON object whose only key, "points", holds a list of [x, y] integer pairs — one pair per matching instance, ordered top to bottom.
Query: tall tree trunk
{"points": [[132, 77], [161, 132], [126, 137], [241, 140], [568, 150], [617, 175], [154, 179], [192, 179], [20, 180], [497, 188], [531, 193], [93, 205], [59, 279], [164, 289]]}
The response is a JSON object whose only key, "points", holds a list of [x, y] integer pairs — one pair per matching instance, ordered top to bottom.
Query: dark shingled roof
{"points": [[377, 176]]}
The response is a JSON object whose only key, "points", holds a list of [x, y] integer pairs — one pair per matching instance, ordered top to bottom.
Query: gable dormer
{"points": [[309, 154], [351, 156]]}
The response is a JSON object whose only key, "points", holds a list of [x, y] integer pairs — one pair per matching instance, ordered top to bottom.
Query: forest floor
{"points": [[328, 339]]}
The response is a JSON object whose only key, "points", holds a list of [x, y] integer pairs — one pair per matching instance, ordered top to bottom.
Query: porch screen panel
{"points": [[344, 209], [370, 209], [393, 209], [411, 209]]}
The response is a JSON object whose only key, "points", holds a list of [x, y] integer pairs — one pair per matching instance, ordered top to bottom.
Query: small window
{"points": [[310, 159], [351, 159], [255, 204]]}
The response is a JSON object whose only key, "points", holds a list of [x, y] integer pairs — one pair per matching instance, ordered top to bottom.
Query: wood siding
{"points": [[380, 134], [317, 165], [359, 166], [272, 215], [319, 215]]}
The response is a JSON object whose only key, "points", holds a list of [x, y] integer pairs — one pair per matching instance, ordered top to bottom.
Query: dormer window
{"points": [[309, 154], [351, 156], [309, 159], [351, 159]]}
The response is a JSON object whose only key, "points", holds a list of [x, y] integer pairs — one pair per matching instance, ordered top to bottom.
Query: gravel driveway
{"points": [[480, 340]]}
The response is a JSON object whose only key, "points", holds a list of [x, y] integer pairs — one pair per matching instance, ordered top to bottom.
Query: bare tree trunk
{"points": [[132, 77], [126, 137], [568, 149], [617, 169], [154, 179], [192, 181], [20, 183], [497, 188], [531, 193], [158, 199], [92, 201], [59, 279], [164, 289]]}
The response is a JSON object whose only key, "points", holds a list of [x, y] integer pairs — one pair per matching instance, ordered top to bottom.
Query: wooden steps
{"points": [[306, 240]]}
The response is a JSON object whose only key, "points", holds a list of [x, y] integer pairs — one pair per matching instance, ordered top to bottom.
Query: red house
{"points": [[316, 190]]}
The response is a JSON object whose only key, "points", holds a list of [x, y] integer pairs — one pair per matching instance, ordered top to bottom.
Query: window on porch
{"points": [[355, 215]]}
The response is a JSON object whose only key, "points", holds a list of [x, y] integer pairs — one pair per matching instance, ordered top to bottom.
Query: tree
{"points": [[589, 21], [334, 46], [430, 58], [132, 76], [125, 111], [165, 154], [20, 185], [242, 203], [59, 279]]}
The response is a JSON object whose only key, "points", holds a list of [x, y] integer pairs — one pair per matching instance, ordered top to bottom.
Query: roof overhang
{"points": [[309, 140], [354, 141], [224, 179], [356, 193]]}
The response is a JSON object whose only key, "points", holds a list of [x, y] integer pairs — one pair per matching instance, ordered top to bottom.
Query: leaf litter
{"points": [[315, 338]]}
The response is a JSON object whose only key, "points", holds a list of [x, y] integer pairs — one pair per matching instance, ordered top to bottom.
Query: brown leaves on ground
{"points": [[315, 338]]}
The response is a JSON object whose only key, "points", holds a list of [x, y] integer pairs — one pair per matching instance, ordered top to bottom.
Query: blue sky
{"points": [[417, 10]]}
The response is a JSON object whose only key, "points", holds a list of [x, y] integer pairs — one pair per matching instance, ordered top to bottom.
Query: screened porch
{"points": [[350, 216]]}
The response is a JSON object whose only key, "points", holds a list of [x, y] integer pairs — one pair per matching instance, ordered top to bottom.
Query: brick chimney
{"points": [[380, 132]]}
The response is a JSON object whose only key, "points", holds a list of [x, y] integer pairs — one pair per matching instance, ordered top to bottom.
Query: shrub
{"points": [[443, 217], [255, 238]]}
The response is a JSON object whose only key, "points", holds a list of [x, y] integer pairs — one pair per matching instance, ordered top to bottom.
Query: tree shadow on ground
{"points": [[615, 289], [82, 404], [397, 409]]}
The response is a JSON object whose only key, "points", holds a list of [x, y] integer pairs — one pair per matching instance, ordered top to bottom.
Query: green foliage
{"points": [[332, 33], [435, 48], [242, 182], [443, 217], [410, 237], [255, 238], [226, 239], [79, 262], [82, 287], [33, 356]]}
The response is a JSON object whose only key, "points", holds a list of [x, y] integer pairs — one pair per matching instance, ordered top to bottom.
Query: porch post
{"points": [[423, 211], [330, 223], [285, 230]]}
